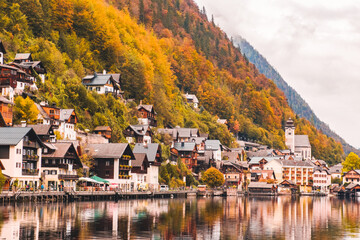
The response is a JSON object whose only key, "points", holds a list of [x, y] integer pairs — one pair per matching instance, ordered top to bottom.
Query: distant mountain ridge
{"points": [[296, 102]]}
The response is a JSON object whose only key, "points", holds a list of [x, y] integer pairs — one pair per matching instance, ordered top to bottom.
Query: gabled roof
{"points": [[2, 48], [23, 56], [116, 77], [97, 79], [191, 97], [148, 108], [42, 111], [65, 114], [102, 128], [41, 129], [140, 129], [187, 132], [13, 135], [197, 140], [302, 141], [213, 145], [184, 146], [61, 148], [107, 150], [150, 150], [232, 156], [139, 159], [320, 169], [336, 169], [352, 185]]}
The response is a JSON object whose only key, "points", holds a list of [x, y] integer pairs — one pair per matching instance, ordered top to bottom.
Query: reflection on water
{"points": [[218, 218]]}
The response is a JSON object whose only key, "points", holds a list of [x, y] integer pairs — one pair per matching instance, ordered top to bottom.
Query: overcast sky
{"points": [[314, 45]]}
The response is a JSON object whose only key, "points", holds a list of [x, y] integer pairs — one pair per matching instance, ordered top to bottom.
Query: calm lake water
{"points": [[205, 218]]}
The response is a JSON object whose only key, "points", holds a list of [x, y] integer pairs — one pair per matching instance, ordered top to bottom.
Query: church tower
{"points": [[290, 135]]}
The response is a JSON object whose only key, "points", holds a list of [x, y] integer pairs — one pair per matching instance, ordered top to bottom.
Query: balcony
{"points": [[31, 144], [31, 157], [125, 167], [30, 172], [124, 176], [68, 177]]}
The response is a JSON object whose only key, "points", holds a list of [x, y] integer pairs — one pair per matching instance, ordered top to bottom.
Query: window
{"points": [[98, 89], [18, 151], [4, 152], [46, 160], [107, 163], [107, 173]]}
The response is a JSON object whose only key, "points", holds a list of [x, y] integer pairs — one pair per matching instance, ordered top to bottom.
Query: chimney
{"points": [[104, 71], [23, 123]]}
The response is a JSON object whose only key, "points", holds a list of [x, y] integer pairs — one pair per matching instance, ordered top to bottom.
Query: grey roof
{"points": [[22, 56], [116, 77], [97, 79], [191, 97], [65, 114], [40, 129], [139, 129], [172, 132], [187, 132], [13, 135], [197, 140], [302, 141], [213, 145], [184, 146], [61, 149], [150, 149], [107, 150], [261, 153], [232, 156], [291, 163], [320, 169], [336, 169], [259, 185], [351, 185]]}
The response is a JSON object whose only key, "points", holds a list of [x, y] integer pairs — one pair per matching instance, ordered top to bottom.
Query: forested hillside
{"points": [[162, 48], [295, 101]]}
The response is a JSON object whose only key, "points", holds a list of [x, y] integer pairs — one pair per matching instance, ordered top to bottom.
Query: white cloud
{"points": [[315, 46]]}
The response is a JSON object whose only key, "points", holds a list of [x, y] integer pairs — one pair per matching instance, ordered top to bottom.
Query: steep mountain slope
{"points": [[162, 48], [296, 102]]}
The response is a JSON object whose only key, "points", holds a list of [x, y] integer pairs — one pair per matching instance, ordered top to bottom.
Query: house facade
{"points": [[102, 84], [146, 115], [138, 134], [187, 152], [20, 154], [112, 162], [59, 166], [352, 176], [322, 179]]}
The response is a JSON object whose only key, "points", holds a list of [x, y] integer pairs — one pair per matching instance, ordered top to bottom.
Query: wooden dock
{"points": [[68, 196]]}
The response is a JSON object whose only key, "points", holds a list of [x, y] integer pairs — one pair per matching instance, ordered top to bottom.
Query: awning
{"points": [[85, 179], [99, 179]]}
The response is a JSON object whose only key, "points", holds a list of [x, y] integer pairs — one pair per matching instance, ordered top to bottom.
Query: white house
{"points": [[102, 84], [192, 99], [68, 121], [214, 146], [20, 154], [322, 179]]}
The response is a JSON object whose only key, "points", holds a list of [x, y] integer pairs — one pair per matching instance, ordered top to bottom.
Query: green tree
{"points": [[25, 109], [352, 161], [213, 177], [2, 181]]}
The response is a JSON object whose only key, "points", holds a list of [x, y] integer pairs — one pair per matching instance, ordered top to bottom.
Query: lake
{"points": [[282, 217]]}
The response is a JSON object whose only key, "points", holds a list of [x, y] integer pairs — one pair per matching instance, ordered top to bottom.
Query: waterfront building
{"points": [[298, 144], [20, 153], [154, 157], [112, 162], [59, 165], [139, 170], [299, 172], [352, 176], [322, 179]]}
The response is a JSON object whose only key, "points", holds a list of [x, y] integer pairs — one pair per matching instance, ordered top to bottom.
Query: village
{"points": [[46, 155]]}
